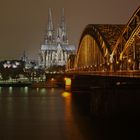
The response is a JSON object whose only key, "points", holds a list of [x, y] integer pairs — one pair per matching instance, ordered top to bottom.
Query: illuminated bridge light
{"points": [[110, 45], [129, 61], [52, 79], [67, 81]]}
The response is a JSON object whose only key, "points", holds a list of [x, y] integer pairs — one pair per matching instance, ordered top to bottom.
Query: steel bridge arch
{"points": [[103, 38], [126, 40]]}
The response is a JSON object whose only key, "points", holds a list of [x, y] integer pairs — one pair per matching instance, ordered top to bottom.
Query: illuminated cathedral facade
{"points": [[55, 49]]}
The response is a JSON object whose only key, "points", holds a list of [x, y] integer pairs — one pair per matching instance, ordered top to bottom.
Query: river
{"points": [[53, 114]]}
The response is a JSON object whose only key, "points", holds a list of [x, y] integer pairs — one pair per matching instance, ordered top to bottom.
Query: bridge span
{"points": [[108, 47], [107, 66]]}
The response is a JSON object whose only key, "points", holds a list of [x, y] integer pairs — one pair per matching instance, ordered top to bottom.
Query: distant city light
{"points": [[14, 66]]}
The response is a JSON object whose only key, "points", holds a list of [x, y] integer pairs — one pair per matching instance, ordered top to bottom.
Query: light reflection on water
{"points": [[0, 90], [10, 90], [26, 90], [37, 90], [52, 90], [43, 91], [66, 94], [50, 110], [68, 111], [53, 112]]}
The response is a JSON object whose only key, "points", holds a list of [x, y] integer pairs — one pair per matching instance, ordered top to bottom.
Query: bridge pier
{"points": [[81, 83]]}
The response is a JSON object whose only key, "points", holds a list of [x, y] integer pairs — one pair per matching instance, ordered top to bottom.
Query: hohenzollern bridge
{"points": [[112, 48]]}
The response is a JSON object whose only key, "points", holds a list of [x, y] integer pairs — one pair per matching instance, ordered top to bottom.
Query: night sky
{"points": [[23, 22]]}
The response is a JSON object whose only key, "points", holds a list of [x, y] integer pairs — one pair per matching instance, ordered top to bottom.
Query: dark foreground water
{"points": [[53, 114]]}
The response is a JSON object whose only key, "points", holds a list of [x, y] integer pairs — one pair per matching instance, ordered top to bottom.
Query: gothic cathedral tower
{"points": [[56, 50]]}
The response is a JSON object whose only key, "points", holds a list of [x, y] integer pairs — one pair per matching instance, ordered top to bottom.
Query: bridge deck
{"points": [[130, 74]]}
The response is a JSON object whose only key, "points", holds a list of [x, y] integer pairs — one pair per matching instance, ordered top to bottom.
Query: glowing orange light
{"points": [[129, 60], [52, 79], [67, 81], [66, 94]]}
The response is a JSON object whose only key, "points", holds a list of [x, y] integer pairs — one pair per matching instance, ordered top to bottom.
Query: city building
{"points": [[55, 49]]}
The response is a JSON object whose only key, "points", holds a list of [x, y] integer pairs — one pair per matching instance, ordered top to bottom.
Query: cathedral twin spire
{"points": [[50, 22], [58, 36]]}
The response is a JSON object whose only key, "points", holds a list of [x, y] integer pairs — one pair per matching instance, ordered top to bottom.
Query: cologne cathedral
{"points": [[55, 49]]}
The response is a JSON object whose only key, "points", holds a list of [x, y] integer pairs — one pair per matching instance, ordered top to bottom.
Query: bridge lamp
{"points": [[129, 61], [52, 79], [67, 81]]}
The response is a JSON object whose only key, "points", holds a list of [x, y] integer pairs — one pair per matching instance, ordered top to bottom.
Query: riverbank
{"points": [[15, 84], [41, 84]]}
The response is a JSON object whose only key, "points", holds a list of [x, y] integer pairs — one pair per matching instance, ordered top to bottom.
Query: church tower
{"points": [[50, 29], [61, 31], [56, 50]]}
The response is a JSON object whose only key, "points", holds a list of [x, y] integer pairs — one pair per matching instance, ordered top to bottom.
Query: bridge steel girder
{"points": [[93, 31], [127, 37], [123, 38], [102, 44]]}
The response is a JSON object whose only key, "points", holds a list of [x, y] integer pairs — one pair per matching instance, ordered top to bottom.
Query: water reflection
{"points": [[26, 89], [0, 90], [10, 90], [37, 90], [52, 90], [43, 91], [66, 94], [55, 113]]}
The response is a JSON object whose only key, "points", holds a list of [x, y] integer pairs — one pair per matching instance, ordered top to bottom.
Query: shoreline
{"points": [[32, 84]]}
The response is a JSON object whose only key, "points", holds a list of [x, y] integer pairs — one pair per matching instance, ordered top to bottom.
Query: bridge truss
{"points": [[96, 46], [109, 47], [126, 51]]}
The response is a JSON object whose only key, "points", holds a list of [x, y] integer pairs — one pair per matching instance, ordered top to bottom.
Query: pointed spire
{"points": [[62, 22], [50, 23], [63, 28], [50, 30], [24, 57]]}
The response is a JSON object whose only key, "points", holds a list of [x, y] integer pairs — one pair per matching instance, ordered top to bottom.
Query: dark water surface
{"points": [[51, 114]]}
